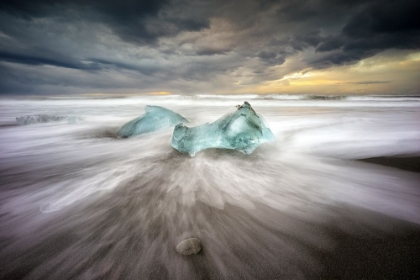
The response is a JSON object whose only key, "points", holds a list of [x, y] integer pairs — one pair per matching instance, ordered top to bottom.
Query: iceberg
{"points": [[155, 118], [25, 120], [243, 130]]}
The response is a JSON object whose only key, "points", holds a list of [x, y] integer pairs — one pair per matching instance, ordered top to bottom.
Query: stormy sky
{"points": [[209, 47]]}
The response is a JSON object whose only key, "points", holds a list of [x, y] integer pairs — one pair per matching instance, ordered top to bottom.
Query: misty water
{"points": [[77, 202]]}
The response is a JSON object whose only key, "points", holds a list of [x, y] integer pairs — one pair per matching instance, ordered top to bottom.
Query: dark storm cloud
{"points": [[385, 17], [127, 18], [379, 26], [165, 42], [210, 50], [271, 57], [34, 60], [93, 64], [108, 64]]}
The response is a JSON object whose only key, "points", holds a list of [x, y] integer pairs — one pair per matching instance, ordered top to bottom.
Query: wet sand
{"points": [[404, 163], [374, 254], [382, 256]]}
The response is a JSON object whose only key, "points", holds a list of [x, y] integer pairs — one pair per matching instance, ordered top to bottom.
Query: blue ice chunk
{"points": [[33, 119], [154, 119], [243, 130]]}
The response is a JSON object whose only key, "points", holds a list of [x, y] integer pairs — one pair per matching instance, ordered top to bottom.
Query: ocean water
{"points": [[76, 202]]}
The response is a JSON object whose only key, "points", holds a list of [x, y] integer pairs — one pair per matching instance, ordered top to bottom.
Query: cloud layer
{"points": [[191, 46]]}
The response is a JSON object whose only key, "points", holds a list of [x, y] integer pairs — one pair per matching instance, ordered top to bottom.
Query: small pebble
{"points": [[190, 246]]}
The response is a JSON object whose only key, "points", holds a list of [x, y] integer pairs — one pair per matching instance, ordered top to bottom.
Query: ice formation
{"points": [[155, 118], [24, 120], [243, 130]]}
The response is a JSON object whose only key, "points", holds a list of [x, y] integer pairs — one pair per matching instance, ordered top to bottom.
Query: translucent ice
{"points": [[155, 118], [24, 120], [243, 130]]}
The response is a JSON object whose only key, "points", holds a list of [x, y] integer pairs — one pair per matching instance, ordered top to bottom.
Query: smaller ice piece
{"points": [[155, 118], [24, 120], [243, 130]]}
